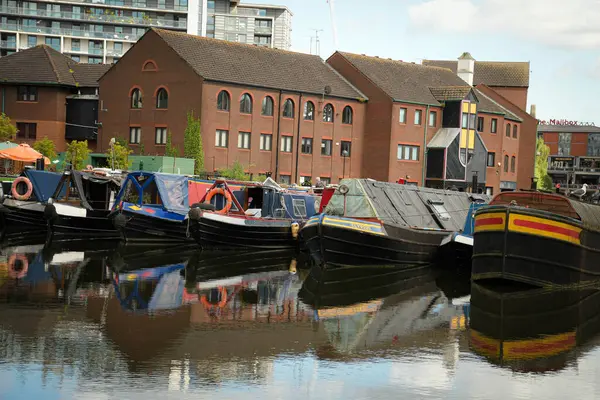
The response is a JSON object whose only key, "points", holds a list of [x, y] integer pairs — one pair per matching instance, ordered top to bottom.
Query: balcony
{"points": [[122, 4], [103, 18], [262, 30], [79, 33], [8, 44], [95, 52], [114, 53], [581, 165]]}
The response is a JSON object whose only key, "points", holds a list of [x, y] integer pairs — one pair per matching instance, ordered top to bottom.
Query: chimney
{"points": [[466, 68], [532, 112]]}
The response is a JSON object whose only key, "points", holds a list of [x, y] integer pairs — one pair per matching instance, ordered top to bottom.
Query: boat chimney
{"points": [[466, 68]]}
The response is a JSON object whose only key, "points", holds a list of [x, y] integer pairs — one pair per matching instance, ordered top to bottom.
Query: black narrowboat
{"points": [[537, 238]]}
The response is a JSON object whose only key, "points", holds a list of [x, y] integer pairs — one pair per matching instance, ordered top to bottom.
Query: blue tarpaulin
{"points": [[44, 183], [173, 191]]}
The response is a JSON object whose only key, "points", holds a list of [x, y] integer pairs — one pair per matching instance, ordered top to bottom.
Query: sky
{"points": [[561, 39]]}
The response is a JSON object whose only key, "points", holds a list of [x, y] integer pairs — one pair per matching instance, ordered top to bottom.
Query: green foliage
{"points": [[8, 131], [121, 141], [192, 143], [46, 147], [142, 149], [170, 150], [77, 153], [121, 157], [236, 172], [261, 178], [544, 182]]}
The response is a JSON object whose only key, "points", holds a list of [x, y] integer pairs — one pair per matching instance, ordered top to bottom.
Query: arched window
{"points": [[136, 98], [162, 98], [223, 101], [246, 104], [267, 106], [288, 109], [309, 111], [328, 113], [347, 115], [507, 130], [515, 131], [505, 163], [513, 163]]}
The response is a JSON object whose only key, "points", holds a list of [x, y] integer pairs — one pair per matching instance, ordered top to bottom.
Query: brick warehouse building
{"points": [[46, 94], [431, 109], [272, 110]]}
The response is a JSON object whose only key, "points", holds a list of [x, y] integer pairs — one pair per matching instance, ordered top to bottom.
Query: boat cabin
{"points": [[43, 185], [90, 190]]}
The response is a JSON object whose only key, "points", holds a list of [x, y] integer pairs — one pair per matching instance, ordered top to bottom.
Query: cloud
{"points": [[566, 24]]}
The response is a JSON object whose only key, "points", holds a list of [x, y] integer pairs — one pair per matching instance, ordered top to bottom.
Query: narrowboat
{"points": [[81, 203], [270, 220], [378, 223], [537, 238], [459, 245]]}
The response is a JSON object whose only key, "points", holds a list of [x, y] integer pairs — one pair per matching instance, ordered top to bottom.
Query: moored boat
{"points": [[537, 238]]}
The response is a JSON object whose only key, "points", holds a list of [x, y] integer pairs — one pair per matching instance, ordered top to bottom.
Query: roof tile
{"points": [[491, 73]]}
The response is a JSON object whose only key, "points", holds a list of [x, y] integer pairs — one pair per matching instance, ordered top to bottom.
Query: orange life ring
{"points": [[15, 193], [224, 193], [12, 272], [220, 304]]}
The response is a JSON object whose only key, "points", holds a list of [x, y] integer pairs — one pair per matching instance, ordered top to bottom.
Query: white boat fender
{"points": [[295, 229], [292, 268]]}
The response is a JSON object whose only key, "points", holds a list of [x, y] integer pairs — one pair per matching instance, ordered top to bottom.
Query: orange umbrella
{"points": [[23, 153]]}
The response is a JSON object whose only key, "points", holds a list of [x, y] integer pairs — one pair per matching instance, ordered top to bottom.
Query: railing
{"points": [[132, 4], [253, 12], [108, 18], [263, 30], [71, 32], [8, 44], [96, 52], [114, 53]]}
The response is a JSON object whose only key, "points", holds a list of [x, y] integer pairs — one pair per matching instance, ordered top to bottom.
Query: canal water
{"points": [[114, 322]]}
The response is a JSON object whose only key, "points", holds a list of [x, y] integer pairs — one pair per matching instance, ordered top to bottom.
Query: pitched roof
{"points": [[224, 61], [44, 65], [491, 73], [404, 81], [450, 93], [487, 104], [568, 128], [443, 138]]}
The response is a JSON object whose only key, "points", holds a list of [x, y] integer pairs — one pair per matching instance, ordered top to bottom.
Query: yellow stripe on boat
{"points": [[312, 221], [490, 222], [367, 227], [544, 227], [371, 306], [484, 345], [537, 348]]}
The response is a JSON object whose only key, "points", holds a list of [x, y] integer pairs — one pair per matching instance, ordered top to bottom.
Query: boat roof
{"points": [[43, 182]]}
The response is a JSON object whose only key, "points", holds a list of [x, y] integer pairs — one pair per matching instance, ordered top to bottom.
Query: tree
{"points": [[8, 131], [192, 143], [46, 147], [142, 149], [170, 150], [77, 153], [121, 156], [236, 172], [544, 182]]}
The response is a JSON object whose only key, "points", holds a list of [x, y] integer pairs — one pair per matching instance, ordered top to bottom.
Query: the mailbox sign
{"points": [[564, 122]]}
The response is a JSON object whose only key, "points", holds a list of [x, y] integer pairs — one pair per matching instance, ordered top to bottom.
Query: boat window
{"points": [[174, 192], [299, 207], [440, 210]]}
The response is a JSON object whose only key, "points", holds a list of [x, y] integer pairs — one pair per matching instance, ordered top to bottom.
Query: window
{"points": [[31, 41], [53, 42], [75, 45], [118, 47], [76, 58], [95, 60], [27, 93], [136, 98], [162, 98], [223, 101], [246, 104], [267, 106], [288, 109], [309, 111], [403, 112], [328, 113], [347, 115], [418, 116], [432, 118], [468, 121], [480, 124], [494, 126], [26, 130], [507, 130], [515, 131], [135, 135], [160, 136], [222, 138], [244, 140], [266, 141], [286, 144], [307, 144], [564, 144], [326, 147], [345, 148], [407, 152], [491, 159], [505, 163], [513, 163], [285, 179], [305, 180], [326, 180], [489, 190], [299, 207], [440, 210]]}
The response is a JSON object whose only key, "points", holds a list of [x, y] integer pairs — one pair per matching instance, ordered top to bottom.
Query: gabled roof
{"points": [[230, 62], [44, 65], [491, 73], [403, 81], [450, 93], [488, 105], [443, 138]]}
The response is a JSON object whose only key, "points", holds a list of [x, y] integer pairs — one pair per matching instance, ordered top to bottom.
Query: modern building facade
{"points": [[101, 31], [47, 94], [271, 110]]}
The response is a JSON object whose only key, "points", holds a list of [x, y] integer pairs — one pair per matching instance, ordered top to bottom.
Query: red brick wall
{"points": [[516, 95], [493, 142], [510, 147]]}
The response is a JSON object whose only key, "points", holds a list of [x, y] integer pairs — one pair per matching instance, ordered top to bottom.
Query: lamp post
{"points": [[344, 155]]}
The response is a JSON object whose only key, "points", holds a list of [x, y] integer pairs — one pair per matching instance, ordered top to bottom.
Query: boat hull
{"points": [[24, 215], [95, 225], [135, 227], [215, 231], [346, 241], [534, 247]]}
